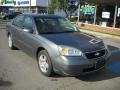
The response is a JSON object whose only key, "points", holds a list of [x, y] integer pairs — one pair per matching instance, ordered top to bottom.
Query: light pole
{"points": [[14, 4], [30, 6], [47, 6], [116, 7], [79, 10]]}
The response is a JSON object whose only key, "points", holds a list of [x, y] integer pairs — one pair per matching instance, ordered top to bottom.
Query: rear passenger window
{"points": [[18, 21]]}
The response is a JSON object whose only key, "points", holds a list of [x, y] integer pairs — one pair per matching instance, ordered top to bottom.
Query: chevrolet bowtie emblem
{"points": [[94, 41], [97, 54]]}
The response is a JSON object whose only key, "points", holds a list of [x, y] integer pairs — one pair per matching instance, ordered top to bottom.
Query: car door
{"points": [[16, 29], [28, 39]]}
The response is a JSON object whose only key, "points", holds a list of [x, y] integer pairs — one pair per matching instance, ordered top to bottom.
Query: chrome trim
{"points": [[96, 50]]}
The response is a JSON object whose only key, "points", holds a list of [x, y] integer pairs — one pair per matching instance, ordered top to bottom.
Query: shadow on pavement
{"points": [[112, 68], [5, 83]]}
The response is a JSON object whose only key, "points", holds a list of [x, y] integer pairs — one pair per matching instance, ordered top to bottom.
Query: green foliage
{"points": [[59, 4], [63, 5]]}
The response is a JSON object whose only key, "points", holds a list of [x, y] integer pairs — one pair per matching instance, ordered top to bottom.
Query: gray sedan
{"points": [[57, 44]]}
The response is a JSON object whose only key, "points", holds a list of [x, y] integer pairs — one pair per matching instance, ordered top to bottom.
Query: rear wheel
{"points": [[10, 42], [44, 63]]}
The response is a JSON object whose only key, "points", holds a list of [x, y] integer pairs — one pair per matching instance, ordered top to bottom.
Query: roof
{"points": [[40, 15]]}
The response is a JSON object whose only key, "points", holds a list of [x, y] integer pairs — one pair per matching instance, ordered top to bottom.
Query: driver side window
{"points": [[18, 21], [28, 23]]}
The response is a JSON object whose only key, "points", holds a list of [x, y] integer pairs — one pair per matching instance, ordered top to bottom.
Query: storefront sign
{"points": [[8, 1], [22, 2], [25, 3], [88, 10], [118, 14], [106, 15]]}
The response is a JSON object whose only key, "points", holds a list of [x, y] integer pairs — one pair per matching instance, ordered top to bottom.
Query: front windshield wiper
{"points": [[69, 31], [59, 32], [49, 33]]}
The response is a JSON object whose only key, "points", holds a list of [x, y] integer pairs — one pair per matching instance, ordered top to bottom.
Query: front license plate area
{"points": [[99, 64]]}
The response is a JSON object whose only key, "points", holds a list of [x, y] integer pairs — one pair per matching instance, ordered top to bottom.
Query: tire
{"points": [[10, 43], [45, 64]]}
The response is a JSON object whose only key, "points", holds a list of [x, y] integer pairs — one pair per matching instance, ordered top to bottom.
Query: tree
{"points": [[68, 6]]}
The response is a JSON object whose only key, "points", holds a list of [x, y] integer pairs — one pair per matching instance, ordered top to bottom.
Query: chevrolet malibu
{"points": [[57, 44]]}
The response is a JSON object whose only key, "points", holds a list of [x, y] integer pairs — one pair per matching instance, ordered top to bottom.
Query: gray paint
{"points": [[67, 65]]}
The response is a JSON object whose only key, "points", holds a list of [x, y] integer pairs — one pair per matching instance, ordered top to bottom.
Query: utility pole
{"points": [[14, 4], [30, 6], [47, 6], [79, 10], [95, 15], [115, 15]]}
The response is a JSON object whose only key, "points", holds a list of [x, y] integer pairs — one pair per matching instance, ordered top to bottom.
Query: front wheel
{"points": [[44, 63]]}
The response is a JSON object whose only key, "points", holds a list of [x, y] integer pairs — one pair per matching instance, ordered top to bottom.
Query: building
{"points": [[0, 2], [34, 6], [2, 7], [107, 12]]}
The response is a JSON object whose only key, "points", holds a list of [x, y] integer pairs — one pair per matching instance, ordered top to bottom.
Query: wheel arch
{"points": [[8, 34], [38, 50], [50, 61]]}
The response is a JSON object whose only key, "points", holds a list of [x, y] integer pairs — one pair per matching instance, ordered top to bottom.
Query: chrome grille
{"points": [[95, 54]]}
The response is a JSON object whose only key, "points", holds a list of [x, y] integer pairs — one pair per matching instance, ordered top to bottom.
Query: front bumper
{"points": [[74, 66]]}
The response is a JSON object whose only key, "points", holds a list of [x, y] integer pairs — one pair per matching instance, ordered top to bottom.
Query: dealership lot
{"points": [[18, 71]]}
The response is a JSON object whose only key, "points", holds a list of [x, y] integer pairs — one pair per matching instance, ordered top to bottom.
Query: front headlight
{"points": [[69, 51]]}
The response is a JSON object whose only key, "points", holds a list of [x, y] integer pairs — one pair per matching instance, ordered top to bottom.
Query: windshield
{"points": [[49, 25]]}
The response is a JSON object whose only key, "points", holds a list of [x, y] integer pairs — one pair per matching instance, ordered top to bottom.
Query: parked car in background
{"points": [[9, 15], [57, 44]]}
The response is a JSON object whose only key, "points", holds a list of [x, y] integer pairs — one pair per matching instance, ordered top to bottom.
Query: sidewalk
{"points": [[98, 28]]}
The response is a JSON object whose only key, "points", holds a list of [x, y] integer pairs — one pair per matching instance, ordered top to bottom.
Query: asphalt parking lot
{"points": [[18, 71]]}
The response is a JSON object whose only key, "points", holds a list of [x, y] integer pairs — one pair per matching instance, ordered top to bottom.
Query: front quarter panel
{"points": [[51, 48]]}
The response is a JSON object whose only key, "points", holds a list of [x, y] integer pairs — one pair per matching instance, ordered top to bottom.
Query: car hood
{"points": [[78, 40]]}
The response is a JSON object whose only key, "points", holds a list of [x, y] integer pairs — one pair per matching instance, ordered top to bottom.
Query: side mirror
{"points": [[28, 30]]}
